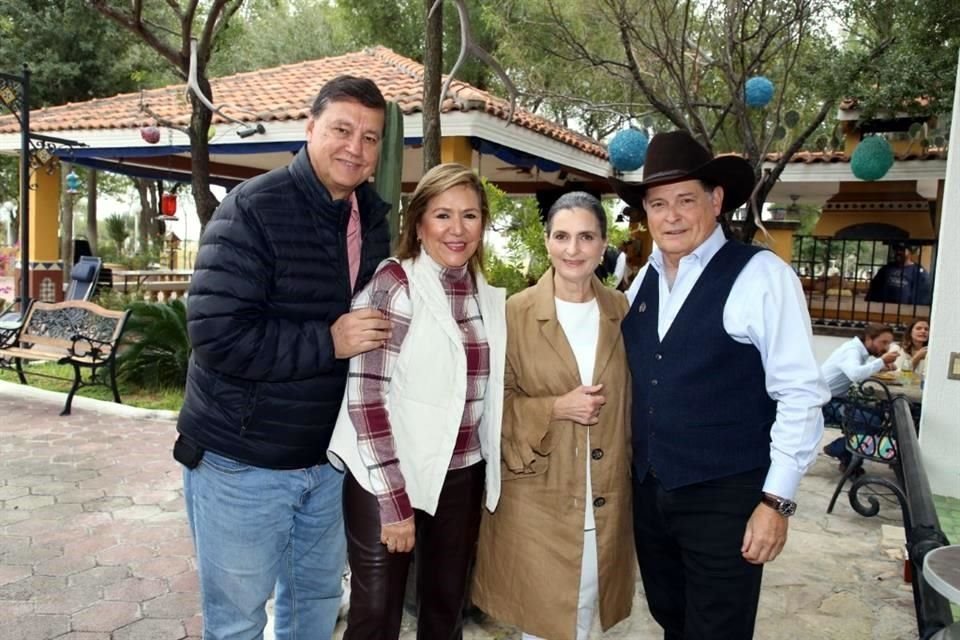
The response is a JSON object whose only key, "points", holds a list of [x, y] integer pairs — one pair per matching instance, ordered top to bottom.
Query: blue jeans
{"points": [[258, 530]]}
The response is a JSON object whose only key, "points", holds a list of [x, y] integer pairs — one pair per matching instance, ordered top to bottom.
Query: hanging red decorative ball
{"points": [[150, 134], [168, 204]]}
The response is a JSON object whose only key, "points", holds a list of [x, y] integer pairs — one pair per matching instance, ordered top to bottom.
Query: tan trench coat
{"points": [[530, 549]]}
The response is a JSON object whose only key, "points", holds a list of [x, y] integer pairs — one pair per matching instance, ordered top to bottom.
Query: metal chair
{"points": [[83, 278], [868, 434]]}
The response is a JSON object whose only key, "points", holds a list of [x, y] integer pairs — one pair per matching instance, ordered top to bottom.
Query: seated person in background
{"points": [[609, 263], [902, 281], [912, 352], [851, 363]]}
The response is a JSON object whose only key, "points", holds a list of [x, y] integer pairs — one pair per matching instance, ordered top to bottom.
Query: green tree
{"points": [[399, 25], [179, 31], [270, 33], [527, 45], [73, 56], [687, 63], [916, 73], [517, 220], [118, 230], [157, 347]]}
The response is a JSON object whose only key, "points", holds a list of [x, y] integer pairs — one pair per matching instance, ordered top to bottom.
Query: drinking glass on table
{"points": [[906, 371]]}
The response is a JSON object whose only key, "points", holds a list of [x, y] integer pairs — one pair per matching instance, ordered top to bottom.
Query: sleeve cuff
{"points": [[528, 432], [782, 481], [395, 507]]}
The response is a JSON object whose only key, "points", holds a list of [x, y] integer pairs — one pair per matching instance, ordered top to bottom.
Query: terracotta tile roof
{"points": [[286, 93], [832, 157]]}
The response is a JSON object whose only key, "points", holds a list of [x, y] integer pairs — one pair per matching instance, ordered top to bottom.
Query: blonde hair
{"points": [[437, 180]]}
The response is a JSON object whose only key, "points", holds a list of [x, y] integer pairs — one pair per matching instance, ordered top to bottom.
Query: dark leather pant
{"points": [[445, 547]]}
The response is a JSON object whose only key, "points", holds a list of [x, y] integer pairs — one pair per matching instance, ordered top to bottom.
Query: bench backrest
{"points": [[57, 324]]}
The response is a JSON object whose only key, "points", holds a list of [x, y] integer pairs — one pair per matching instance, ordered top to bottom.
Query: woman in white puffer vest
{"points": [[421, 415]]}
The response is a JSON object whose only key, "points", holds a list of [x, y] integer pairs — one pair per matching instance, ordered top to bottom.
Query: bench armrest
{"points": [[86, 347]]}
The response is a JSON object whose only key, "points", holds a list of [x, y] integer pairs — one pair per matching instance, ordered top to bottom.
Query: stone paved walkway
{"points": [[94, 543]]}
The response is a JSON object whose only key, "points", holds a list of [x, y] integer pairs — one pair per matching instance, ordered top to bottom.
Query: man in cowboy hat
{"points": [[726, 395]]}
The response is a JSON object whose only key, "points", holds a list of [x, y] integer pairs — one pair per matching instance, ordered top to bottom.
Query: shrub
{"points": [[156, 347]]}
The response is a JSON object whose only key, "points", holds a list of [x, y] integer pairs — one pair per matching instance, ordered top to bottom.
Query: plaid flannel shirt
{"points": [[371, 372]]}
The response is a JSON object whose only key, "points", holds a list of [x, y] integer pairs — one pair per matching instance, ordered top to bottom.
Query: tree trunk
{"points": [[432, 66], [200, 119], [92, 211], [146, 216], [15, 223], [66, 230]]}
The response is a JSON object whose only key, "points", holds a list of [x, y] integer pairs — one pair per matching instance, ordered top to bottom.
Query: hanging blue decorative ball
{"points": [[758, 92], [628, 149], [872, 158], [73, 182]]}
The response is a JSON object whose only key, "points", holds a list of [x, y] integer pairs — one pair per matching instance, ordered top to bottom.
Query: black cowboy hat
{"points": [[674, 157]]}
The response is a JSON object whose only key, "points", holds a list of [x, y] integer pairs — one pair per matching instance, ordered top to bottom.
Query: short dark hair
{"points": [[362, 90], [578, 200], [873, 330]]}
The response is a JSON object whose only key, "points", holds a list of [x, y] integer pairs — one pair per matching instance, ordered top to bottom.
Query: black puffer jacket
{"points": [[264, 386]]}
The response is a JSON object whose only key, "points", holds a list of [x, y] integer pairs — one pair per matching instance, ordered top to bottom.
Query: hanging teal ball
{"points": [[758, 92], [628, 149], [872, 158]]}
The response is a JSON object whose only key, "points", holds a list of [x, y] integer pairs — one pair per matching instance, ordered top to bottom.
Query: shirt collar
{"points": [[354, 205], [702, 254]]}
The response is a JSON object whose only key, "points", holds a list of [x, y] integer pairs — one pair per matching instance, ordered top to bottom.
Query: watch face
{"points": [[788, 508]]}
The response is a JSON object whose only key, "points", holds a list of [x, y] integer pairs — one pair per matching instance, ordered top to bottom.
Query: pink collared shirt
{"points": [[353, 240]]}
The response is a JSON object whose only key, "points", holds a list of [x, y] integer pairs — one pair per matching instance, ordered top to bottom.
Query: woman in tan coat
{"points": [[560, 543]]}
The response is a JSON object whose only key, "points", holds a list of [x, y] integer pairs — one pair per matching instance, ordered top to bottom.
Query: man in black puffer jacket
{"points": [[271, 327]]}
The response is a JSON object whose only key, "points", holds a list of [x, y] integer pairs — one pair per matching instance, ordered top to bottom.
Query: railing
{"points": [[853, 282], [154, 284], [923, 532]]}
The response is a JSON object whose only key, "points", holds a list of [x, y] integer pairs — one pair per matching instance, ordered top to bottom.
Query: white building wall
{"points": [[823, 346], [940, 424]]}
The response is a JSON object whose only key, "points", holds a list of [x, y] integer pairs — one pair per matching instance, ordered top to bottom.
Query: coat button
{"points": [[658, 356], [654, 382], [650, 410], [596, 454], [599, 502]]}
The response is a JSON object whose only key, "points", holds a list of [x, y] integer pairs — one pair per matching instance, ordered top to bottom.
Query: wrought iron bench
{"points": [[81, 334], [868, 432]]}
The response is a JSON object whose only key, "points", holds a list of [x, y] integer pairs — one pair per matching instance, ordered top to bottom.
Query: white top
{"points": [[620, 269], [765, 308], [580, 322], [904, 361], [848, 364]]}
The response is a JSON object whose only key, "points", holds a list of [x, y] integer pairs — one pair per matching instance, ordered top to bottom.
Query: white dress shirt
{"points": [[620, 269], [765, 308], [850, 363]]}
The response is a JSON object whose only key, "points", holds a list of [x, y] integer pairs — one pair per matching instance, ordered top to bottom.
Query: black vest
{"points": [[700, 405]]}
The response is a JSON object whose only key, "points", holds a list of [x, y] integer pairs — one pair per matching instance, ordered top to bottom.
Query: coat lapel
{"points": [[611, 314]]}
